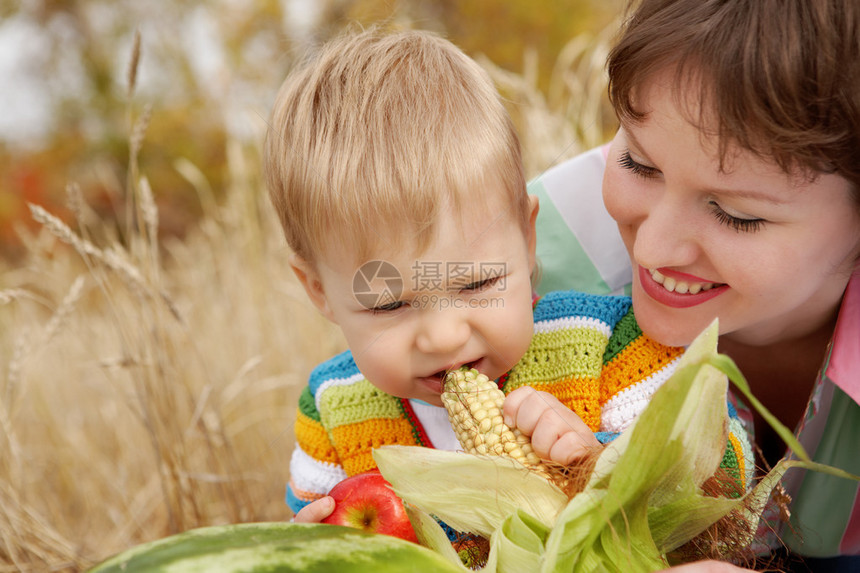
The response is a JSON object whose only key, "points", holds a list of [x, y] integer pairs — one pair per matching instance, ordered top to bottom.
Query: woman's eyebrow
{"points": [[631, 138], [774, 198]]}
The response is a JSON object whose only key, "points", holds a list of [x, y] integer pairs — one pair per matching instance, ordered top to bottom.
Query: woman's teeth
{"points": [[680, 287]]}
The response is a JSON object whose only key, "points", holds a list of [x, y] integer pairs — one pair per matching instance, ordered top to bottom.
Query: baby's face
{"points": [[465, 300]]}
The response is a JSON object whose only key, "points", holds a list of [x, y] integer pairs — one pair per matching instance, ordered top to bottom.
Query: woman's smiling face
{"points": [[767, 252]]}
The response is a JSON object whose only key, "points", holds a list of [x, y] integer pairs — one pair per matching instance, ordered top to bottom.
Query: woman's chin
{"points": [[668, 331]]}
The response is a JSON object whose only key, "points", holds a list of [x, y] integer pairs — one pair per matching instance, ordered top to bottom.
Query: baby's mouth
{"points": [[440, 375]]}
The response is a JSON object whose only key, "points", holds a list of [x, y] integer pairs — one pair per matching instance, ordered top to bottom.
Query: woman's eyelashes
{"points": [[627, 162], [739, 224]]}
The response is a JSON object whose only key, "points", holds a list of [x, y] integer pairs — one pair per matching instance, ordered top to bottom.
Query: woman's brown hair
{"points": [[780, 77]]}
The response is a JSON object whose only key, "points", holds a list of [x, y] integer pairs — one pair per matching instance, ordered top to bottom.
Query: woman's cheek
{"points": [[615, 196]]}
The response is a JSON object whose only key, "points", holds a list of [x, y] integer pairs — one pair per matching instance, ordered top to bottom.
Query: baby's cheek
{"points": [[517, 338], [379, 367]]}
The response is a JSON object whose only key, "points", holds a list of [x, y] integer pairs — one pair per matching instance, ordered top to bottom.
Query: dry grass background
{"points": [[148, 386]]}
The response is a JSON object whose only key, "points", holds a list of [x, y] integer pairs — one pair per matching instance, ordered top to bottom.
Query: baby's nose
{"points": [[443, 331]]}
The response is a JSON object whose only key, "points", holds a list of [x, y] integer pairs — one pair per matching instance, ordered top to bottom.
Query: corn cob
{"points": [[474, 405]]}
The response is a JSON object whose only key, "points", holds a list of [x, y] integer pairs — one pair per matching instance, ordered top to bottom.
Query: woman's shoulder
{"points": [[587, 167], [578, 244]]}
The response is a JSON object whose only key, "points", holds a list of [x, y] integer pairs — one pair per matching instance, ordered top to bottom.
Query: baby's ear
{"points": [[534, 207], [310, 279]]}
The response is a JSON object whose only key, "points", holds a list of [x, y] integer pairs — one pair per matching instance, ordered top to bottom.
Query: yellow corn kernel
{"points": [[474, 405]]}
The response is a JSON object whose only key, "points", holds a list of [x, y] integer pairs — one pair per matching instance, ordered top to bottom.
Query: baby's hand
{"points": [[558, 434], [315, 511]]}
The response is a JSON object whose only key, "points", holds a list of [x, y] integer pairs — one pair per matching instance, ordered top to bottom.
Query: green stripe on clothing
{"points": [[558, 248], [626, 331], [558, 355], [356, 403], [307, 406], [831, 518]]}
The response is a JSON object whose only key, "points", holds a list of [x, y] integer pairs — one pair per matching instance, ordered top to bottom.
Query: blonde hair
{"points": [[370, 139]]}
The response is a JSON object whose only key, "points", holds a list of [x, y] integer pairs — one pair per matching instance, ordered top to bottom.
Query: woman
{"points": [[734, 182]]}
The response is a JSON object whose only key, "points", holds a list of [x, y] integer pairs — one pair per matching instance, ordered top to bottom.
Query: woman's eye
{"points": [[628, 163], [739, 224], [481, 285], [388, 307]]}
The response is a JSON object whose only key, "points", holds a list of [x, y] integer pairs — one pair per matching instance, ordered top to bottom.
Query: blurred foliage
{"points": [[209, 71]]}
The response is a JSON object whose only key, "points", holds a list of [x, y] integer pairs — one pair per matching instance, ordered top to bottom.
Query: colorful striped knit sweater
{"points": [[587, 350]]}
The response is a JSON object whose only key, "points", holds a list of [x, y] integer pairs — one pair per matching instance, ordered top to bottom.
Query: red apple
{"points": [[366, 501]]}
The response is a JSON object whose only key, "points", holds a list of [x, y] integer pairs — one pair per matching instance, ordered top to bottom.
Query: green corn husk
{"points": [[644, 499]]}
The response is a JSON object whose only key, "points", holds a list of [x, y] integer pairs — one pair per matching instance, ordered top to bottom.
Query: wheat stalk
{"points": [[133, 64], [139, 130], [75, 201], [150, 211], [62, 231], [112, 257], [8, 295], [67, 306], [20, 352], [24, 534]]}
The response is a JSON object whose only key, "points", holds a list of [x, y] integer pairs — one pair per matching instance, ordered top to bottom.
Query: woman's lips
{"points": [[678, 290]]}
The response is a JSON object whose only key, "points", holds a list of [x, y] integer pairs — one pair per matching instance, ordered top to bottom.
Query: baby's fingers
{"points": [[524, 407], [557, 433], [560, 435], [572, 446], [315, 511]]}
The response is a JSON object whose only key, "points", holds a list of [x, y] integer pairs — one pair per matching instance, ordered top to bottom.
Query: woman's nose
{"points": [[664, 236], [443, 330]]}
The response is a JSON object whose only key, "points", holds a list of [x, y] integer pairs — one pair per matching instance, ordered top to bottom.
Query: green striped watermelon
{"points": [[278, 547]]}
